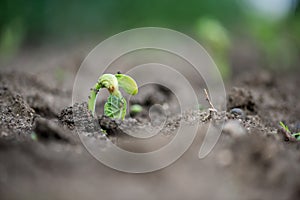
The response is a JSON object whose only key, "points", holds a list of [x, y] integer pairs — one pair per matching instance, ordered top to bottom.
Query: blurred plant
{"points": [[60, 20], [271, 26], [11, 37], [216, 39], [276, 44], [60, 75], [116, 104], [200, 107], [136, 108], [286, 128], [33, 136]]}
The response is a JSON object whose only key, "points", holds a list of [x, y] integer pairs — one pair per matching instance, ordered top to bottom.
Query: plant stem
{"points": [[106, 81], [93, 97], [288, 136]]}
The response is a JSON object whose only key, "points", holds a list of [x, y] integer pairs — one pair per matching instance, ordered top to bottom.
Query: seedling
{"points": [[116, 104], [136, 108], [285, 127], [287, 130], [33, 136]]}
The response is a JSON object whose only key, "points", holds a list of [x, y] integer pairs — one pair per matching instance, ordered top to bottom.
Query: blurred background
{"points": [[240, 35]]}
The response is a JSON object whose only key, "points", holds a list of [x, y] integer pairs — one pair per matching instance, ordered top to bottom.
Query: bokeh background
{"points": [[241, 35]]}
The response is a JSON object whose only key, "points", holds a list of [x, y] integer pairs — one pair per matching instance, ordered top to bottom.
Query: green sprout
{"points": [[116, 104], [136, 108], [286, 128], [34, 136]]}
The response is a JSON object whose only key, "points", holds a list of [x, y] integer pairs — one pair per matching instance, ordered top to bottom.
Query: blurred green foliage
{"points": [[53, 18], [212, 22], [11, 38], [216, 39], [277, 40], [135, 108]]}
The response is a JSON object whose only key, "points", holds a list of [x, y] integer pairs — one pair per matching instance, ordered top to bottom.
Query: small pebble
{"points": [[238, 112], [234, 128]]}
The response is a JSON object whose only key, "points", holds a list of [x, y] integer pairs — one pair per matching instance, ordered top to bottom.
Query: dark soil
{"points": [[41, 156]]}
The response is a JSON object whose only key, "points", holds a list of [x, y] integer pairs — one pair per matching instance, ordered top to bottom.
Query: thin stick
{"points": [[208, 99], [212, 110]]}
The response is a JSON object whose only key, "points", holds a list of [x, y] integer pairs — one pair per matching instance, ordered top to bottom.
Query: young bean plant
{"points": [[116, 104]]}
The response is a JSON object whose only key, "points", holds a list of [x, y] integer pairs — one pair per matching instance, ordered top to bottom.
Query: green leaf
{"points": [[127, 84], [115, 107], [136, 108], [285, 127], [296, 135]]}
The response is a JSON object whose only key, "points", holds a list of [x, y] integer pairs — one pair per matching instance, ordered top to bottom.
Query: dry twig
{"points": [[209, 101], [212, 110]]}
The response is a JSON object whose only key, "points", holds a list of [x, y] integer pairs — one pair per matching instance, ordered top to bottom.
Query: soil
{"points": [[42, 157]]}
